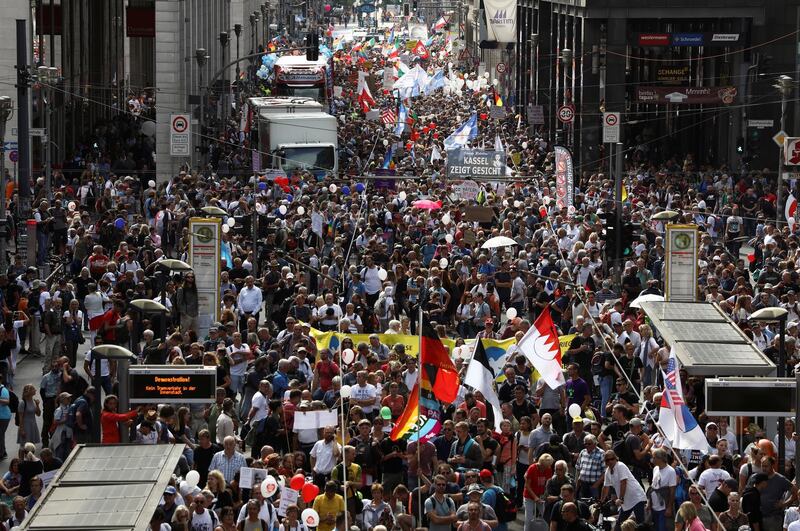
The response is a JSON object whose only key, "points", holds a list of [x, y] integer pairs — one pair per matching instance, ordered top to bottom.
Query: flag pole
{"points": [[419, 397]]}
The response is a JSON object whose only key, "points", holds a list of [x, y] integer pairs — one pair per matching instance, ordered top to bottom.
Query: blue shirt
{"points": [[280, 383], [5, 411], [490, 498]]}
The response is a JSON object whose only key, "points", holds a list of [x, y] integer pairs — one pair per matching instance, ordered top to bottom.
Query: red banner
{"points": [[654, 39], [686, 95]]}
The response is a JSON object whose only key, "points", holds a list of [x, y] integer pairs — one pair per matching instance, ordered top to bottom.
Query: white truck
{"points": [[293, 133]]}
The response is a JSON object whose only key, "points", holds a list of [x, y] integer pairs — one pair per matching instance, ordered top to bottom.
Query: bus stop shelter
{"points": [[707, 342], [105, 487]]}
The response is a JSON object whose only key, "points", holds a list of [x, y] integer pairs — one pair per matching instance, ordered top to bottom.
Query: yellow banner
{"points": [[565, 341]]}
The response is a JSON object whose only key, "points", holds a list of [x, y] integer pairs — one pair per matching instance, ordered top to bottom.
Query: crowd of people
{"points": [[369, 268]]}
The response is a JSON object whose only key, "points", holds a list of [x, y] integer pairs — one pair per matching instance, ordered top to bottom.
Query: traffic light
{"points": [[406, 10], [312, 52], [609, 220], [627, 239]]}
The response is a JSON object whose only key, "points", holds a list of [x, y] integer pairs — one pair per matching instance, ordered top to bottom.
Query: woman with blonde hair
{"points": [[29, 409], [535, 480], [216, 484], [688, 514]]}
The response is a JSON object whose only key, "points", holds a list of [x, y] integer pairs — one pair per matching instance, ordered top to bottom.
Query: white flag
{"points": [[436, 154]]}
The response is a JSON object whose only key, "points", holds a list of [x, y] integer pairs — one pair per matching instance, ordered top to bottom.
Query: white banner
{"points": [[501, 20], [204, 257]]}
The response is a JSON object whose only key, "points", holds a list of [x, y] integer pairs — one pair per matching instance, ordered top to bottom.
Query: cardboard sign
{"points": [[481, 214]]}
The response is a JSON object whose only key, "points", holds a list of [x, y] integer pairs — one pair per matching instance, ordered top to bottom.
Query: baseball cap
{"points": [[485, 474], [731, 483], [474, 488], [170, 490]]}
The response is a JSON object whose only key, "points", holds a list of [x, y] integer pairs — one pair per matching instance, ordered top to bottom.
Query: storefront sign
{"points": [[726, 38], [654, 39], [687, 39], [672, 74], [686, 95], [475, 162], [564, 177], [204, 257], [681, 263], [150, 384]]}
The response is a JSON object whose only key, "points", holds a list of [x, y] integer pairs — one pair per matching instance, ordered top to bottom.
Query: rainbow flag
{"points": [[498, 101]]}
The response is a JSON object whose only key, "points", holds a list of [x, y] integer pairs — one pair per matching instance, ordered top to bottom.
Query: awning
{"points": [[706, 340]]}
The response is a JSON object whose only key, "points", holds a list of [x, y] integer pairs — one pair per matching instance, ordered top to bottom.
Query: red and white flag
{"points": [[420, 50], [365, 99], [388, 116], [791, 211], [540, 345]]}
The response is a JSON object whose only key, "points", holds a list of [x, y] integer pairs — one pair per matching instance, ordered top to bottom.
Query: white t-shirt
{"points": [[239, 355], [104, 371], [367, 392], [260, 403], [323, 453], [662, 477], [711, 478], [633, 491], [791, 516], [202, 521]]}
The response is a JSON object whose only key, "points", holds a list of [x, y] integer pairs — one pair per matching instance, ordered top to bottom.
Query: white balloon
{"points": [[486, 75], [495, 82], [149, 128], [385, 142], [524, 145], [151, 184], [332, 188], [402, 196], [505, 202], [517, 204], [72, 206], [282, 209], [301, 210], [446, 219], [231, 222], [226, 229], [448, 238], [443, 263], [382, 274], [511, 313], [348, 356], [345, 391], [574, 410], [193, 478], [269, 486], [310, 517]]}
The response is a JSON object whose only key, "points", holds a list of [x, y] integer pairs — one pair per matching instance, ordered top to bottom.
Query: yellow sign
{"points": [[410, 45], [565, 341]]}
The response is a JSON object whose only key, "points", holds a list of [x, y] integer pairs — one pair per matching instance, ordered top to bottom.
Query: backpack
{"points": [[13, 399], [73, 411], [620, 448], [504, 507]]}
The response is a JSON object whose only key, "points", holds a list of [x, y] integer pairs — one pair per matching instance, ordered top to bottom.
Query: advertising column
{"points": [[204, 257], [681, 263]]}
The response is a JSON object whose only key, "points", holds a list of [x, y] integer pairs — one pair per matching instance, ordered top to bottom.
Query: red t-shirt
{"points": [[327, 370], [538, 478]]}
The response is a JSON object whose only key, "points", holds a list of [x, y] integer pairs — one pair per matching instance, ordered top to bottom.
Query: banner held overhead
{"points": [[564, 177]]}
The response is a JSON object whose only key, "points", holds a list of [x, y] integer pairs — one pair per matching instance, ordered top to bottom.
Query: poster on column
{"points": [[501, 20], [564, 177], [204, 257]]}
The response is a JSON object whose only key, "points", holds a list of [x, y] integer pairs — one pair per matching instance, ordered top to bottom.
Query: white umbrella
{"points": [[498, 241], [649, 297]]}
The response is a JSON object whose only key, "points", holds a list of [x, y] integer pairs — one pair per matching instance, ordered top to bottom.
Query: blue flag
{"points": [[435, 82], [402, 115], [461, 136], [387, 159]]}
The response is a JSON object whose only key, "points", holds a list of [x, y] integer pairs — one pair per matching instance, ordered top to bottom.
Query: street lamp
{"points": [[256, 19], [265, 22], [237, 29], [252, 33], [223, 42], [201, 57], [534, 66], [48, 75], [785, 86], [6, 107], [771, 315]]}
